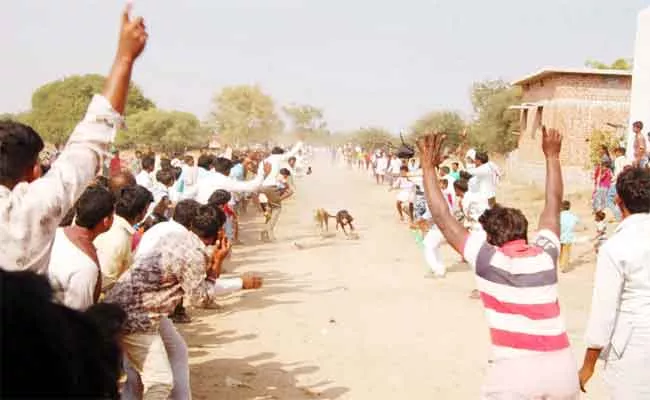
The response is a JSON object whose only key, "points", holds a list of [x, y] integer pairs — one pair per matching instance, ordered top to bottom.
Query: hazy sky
{"points": [[380, 63]]}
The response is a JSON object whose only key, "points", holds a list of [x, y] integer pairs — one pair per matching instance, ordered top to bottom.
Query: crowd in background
{"points": [[100, 255]]}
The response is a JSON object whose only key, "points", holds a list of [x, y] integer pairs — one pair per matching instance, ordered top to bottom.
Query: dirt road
{"points": [[353, 319]]}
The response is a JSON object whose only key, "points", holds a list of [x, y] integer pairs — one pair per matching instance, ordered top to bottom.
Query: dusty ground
{"points": [[357, 319]]}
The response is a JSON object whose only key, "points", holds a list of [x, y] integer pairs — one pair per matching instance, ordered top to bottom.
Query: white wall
{"points": [[640, 102]]}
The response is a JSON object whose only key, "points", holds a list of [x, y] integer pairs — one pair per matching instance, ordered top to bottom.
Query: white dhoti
{"points": [[432, 242], [626, 368]]}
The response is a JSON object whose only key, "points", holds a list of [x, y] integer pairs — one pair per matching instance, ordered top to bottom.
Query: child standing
{"points": [[406, 195], [568, 223], [601, 229]]}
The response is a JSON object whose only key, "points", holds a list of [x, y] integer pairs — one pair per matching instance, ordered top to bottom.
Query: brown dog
{"points": [[344, 218], [322, 219]]}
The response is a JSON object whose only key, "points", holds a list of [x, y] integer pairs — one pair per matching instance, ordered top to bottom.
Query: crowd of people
{"points": [[448, 201], [107, 251], [100, 254]]}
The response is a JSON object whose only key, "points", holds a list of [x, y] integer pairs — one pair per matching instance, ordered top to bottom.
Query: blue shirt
{"points": [[237, 172], [568, 222]]}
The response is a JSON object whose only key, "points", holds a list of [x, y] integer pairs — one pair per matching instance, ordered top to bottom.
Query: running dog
{"points": [[322, 219], [343, 219]]}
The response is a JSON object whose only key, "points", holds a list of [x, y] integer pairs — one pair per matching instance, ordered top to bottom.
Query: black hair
{"points": [[637, 124], [20, 146], [277, 150], [482, 157], [188, 158], [292, 158], [205, 161], [148, 162], [165, 163], [455, 163], [222, 165], [445, 169], [177, 172], [285, 172], [465, 175], [166, 176], [101, 181], [445, 182], [461, 185], [633, 188], [219, 197], [133, 201], [95, 204], [566, 205], [185, 211], [68, 218], [208, 221], [503, 225], [78, 353]]}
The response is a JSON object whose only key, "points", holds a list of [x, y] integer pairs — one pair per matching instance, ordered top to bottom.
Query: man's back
{"points": [[629, 253]]}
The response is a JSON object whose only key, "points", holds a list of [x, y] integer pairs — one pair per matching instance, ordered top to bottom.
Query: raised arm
{"points": [[133, 38], [551, 145], [431, 152], [292, 153], [40, 206]]}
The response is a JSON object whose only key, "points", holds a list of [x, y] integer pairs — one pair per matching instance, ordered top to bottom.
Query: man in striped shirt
{"points": [[517, 282]]}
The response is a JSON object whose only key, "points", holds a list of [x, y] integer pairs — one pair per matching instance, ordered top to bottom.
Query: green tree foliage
{"points": [[620, 63], [59, 105], [245, 114], [449, 122], [308, 123], [494, 124], [168, 130], [372, 138], [598, 139]]}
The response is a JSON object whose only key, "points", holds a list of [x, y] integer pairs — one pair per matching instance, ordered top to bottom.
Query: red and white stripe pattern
{"points": [[518, 287]]}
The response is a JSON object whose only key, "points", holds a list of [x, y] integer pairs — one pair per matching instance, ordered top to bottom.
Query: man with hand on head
{"points": [[31, 206]]}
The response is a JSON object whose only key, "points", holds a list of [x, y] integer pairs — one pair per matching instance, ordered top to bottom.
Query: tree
{"points": [[620, 63], [59, 105], [245, 114], [449, 122], [308, 123], [494, 124], [170, 130], [372, 138]]}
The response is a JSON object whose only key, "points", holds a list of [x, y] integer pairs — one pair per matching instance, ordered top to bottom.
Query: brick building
{"points": [[577, 102]]}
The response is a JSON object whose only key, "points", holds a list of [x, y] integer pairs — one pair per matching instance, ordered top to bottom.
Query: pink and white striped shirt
{"points": [[518, 287]]}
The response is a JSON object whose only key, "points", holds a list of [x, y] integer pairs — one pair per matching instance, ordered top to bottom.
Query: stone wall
{"points": [[576, 105]]}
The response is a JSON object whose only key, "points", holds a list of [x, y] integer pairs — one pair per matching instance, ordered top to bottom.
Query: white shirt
{"points": [[276, 161], [382, 164], [395, 165], [619, 165], [485, 179], [145, 180], [215, 181], [473, 206], [31, 212], [114, 250], [72, 273], [621, 297]]}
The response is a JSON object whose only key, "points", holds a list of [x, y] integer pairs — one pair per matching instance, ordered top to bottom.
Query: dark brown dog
{"points": [[344, 218]]}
